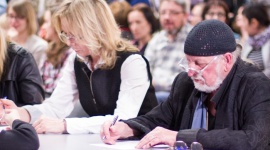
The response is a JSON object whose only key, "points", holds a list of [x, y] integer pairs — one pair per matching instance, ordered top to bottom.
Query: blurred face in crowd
{"points": [[216, 12], [196, 15], [172, 16], [16, 22], [138, 25], [48, 27], [251, 27], [74, 41], [206, 72]]}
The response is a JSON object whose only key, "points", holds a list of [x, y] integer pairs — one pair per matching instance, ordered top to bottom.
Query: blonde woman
{"points": [[23, 27], [107, 74], [19, 75]]}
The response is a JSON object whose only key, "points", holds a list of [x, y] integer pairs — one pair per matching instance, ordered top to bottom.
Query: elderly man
{"points": [[165, 48], [229, 108]]}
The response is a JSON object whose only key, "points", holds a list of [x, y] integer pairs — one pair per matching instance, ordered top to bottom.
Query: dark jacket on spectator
{"points": [[21, 81]]}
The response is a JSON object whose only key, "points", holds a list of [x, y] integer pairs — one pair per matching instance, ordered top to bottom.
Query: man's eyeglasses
{"points": [[64, 37], [184, 66]]}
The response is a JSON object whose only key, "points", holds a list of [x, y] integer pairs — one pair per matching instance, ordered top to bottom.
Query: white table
{"points": [[72, 142]]}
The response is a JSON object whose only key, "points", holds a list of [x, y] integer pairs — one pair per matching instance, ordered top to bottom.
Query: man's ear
{"points": [[254, 23], [228, 58]]}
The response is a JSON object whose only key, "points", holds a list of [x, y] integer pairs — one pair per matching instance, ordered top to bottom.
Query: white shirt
{"points": [[133, 88]]}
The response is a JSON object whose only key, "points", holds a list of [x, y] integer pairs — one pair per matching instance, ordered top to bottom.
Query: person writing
{"points": [[107, 74], [220, 101]]}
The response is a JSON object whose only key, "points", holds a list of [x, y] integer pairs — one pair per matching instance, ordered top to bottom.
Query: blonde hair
{"points": [[25, 9], [93, 22], [3, 51]]}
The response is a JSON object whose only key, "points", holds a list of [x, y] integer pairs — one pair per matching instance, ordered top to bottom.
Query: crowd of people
{"points": [[194, 71]]}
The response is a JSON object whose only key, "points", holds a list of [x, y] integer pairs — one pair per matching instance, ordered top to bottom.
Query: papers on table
{"points": [[125, 145]]}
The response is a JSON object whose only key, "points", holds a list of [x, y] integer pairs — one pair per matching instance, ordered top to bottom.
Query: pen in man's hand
{"points": [[113, 123]]}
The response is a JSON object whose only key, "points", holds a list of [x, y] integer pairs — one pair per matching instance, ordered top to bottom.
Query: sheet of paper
{"points": [[3, 128], [126, 145]]}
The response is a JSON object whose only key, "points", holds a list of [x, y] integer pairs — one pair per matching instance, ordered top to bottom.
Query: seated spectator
{"points": [[120, 11], [143, 25], [23, 27], [166, 47], [257, 48], [57, 53], [107, 74], [20, 78], [228, 109], [21, 136]]}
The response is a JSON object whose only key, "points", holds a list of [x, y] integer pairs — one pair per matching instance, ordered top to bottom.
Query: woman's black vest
{"points": [[99, 90]]}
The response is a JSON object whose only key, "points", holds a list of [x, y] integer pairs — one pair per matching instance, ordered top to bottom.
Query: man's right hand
{"points": [[109, 134]]}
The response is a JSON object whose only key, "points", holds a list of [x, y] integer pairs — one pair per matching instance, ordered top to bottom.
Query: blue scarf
{"points": [[200, 114]]}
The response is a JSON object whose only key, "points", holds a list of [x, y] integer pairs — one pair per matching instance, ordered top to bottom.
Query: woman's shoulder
{"points": [[15, 49]]}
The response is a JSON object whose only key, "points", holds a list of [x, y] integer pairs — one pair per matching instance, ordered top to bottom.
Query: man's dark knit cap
{"points": [[210, 38]]}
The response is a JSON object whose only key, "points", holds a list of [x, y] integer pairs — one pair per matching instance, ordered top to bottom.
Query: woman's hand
{"points": [[8, 104], [9, 116], [49, 125], [109, 134]]}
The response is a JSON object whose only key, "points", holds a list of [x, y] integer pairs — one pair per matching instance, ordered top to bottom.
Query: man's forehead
{"points": [[171, 5], [198, 58]]}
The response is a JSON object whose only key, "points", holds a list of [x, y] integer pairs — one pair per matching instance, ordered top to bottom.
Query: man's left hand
{"points": [[49, 125], [157, 136]]}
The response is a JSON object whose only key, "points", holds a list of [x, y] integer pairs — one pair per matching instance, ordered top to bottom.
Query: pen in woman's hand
{"points": [[113, 123]]}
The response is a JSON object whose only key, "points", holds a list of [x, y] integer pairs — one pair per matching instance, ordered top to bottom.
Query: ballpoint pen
{"points": [[113, 123]]}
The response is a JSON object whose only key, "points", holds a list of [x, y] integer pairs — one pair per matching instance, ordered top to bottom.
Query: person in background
{"points": [[217, 9], [120, 11], [196, 14], [239, 23], [256, 23], [143, 25], [23, 27], [166, 47], [52, 64], [107, 73], [19, 75], [220, 101], [20, 136]]}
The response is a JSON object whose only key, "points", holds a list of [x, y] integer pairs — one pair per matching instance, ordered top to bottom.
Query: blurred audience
{"points": [[120, 10], [219, 10], [196, 14], [239, 23], [143, 25], [23, 27], [166, 48], [257, 48], [56, 55]]}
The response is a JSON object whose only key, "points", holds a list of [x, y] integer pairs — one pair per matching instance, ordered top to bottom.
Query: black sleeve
{"points": [[30, 82], [169, 113], [22, 137]]}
